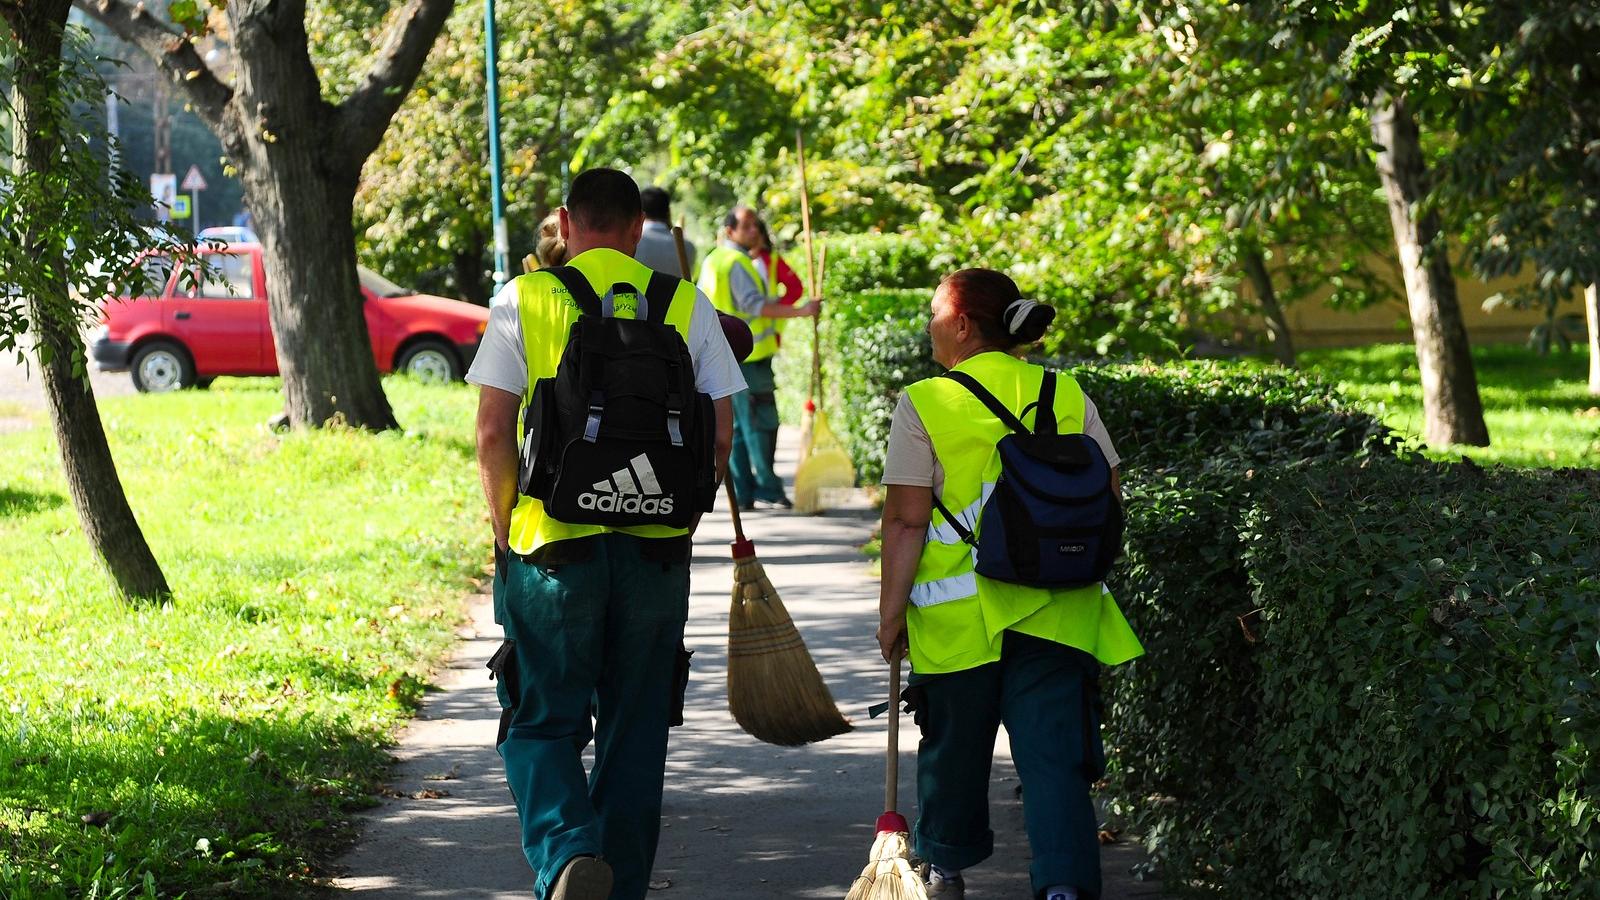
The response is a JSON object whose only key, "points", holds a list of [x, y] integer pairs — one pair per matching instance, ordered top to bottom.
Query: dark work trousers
{"points": [[755, 437], [598, 622], [1046, 695]]}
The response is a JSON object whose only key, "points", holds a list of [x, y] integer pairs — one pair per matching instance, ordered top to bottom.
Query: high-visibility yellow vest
{"points": [[714, 283], [547, 313], [957, 618]]}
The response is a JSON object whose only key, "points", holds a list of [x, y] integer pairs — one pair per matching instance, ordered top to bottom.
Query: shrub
{"points": [[870, 262], [877, 344], [1370, 678]]}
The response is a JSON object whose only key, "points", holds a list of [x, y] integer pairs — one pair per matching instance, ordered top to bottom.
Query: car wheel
{"points": [[430, 361], [161, 366]]}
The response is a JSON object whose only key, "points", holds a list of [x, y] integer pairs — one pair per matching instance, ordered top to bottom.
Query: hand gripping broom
{"points": [[824, 464], [774, 690], [888, 875]]}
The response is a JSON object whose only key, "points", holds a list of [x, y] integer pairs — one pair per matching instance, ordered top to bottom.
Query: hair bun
{"points": [[1026, 320]]}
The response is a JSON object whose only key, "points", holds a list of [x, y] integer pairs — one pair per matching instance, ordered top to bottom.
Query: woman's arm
{"points": [[906, 511]]}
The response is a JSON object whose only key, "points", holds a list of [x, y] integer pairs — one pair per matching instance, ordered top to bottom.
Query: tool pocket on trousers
{"points": [[503, 669], [680, 685]]}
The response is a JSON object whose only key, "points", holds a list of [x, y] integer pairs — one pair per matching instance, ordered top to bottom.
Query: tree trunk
{"points": [[301, 191], [469, 272], [313, 293], [1591, 310], [1277, 325], [1452, 409], [92, 479]]}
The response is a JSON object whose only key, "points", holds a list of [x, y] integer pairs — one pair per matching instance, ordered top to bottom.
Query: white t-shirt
{"points": [[502, 360], [910, 459]]}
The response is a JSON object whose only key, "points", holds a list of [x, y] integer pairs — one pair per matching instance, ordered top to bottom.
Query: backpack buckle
{"points": [[597, 408]]}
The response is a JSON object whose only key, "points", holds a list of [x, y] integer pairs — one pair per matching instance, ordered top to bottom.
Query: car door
{"points": [[222, 320]]}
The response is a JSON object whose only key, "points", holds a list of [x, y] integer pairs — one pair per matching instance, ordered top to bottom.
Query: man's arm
{"points": [[724, 408], [497, 457]]}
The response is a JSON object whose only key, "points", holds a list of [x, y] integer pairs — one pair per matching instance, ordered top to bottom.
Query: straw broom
{"points": [[824, 464], [775, 692], [888, 875]]}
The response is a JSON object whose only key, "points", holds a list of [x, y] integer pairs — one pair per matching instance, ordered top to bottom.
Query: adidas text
{"points": [[649, 506]]}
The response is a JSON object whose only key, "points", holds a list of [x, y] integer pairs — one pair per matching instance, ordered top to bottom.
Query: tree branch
{"points": [[172, 52], [365, 115]]}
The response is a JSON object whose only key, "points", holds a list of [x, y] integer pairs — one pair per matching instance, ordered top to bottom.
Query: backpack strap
{"points": [[578, 286], [658, 296], [1044, 415], [1005, 416], [950, 519]]}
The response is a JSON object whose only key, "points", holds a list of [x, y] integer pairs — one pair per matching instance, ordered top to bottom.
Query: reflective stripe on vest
{"points": [[716, 284], [547, 312], [957, 618]]}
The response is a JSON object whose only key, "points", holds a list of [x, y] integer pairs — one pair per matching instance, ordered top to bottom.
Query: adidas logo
{"points": [[631, 489]]}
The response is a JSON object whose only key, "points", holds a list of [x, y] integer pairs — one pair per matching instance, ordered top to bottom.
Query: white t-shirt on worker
{"points": [[502, 360], [910, 459]]}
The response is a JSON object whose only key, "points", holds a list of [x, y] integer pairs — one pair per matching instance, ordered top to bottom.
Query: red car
{"points": [[190, 335]]}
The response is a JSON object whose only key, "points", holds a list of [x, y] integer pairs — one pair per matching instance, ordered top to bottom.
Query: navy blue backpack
{"points": [[1053, 520]]}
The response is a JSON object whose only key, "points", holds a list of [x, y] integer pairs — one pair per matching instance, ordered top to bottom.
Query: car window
{"points": [[157, 269], [229, 276], [380, 285]]}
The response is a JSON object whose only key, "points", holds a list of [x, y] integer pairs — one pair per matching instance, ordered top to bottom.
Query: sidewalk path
{"points": [[742, 819]]}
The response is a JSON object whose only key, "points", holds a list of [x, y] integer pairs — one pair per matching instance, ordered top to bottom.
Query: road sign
{"points": [[194, 181], [180, 207]]}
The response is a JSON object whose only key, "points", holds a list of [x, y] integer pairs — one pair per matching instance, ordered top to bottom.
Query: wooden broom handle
{"points": [[811, 261], [733, 502], [891, 768]]}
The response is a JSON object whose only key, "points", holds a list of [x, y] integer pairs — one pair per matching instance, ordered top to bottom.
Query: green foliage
{"points": [[72, 231], [869, 262], [878, 345], [1209, 415], [1363, 673], [1428, 682], [225, 737]]}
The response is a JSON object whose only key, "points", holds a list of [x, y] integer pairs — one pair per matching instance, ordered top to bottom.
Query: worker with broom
{"points": [[730, 278], [594, 614], [987, 651]]}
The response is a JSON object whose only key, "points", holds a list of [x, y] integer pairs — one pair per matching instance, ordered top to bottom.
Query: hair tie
{"points": [[1017, 313]]}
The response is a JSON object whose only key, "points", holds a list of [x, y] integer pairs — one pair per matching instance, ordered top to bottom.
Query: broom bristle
{"points": [[808, 418], [826, 469], [775, 692], [888, 875]]}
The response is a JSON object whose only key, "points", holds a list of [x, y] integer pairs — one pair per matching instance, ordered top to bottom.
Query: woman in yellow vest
{"points": [[983, 652]]}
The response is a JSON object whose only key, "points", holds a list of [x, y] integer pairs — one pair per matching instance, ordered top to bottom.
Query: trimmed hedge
{"points": [[870, 262], [1374, 679]]}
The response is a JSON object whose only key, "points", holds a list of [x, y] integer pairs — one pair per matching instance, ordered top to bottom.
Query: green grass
{"points": [[1538, 408], [223, 738]]}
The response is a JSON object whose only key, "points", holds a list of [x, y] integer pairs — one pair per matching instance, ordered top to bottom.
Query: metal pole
{"points": [[502, 242]]}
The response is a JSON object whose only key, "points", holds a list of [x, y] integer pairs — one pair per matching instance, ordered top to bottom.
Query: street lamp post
{"points": [[502, 242]]}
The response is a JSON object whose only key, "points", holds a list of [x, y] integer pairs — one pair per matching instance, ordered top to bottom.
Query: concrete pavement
{"points": [[22, 403], [742, 819]]}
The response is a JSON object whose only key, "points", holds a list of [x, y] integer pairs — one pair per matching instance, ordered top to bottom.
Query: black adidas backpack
{"points": [[620, 436], [1053, 520]]}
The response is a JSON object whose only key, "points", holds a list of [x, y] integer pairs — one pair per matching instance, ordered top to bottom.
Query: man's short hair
{"points": [[603, 200], [657, 204], [731, 220]]}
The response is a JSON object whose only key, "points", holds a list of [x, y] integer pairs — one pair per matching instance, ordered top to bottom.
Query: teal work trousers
{"points": [[755, 437], [594, 627], [1046, 696]]}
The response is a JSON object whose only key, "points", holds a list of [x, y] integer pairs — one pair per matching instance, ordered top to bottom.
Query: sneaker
{"points": [[780, 503], [583, 878], [950, 887], [1061, 894]]}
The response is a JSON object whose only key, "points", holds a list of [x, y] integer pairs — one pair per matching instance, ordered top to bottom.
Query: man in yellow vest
{"points": [[730, 278], [593, 616], [985, 652]]}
